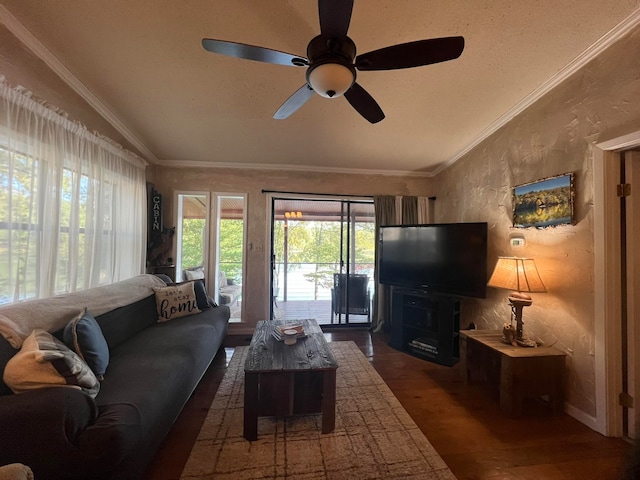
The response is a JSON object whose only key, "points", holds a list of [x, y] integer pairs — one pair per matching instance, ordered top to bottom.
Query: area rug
{"points": [[374, 438]]}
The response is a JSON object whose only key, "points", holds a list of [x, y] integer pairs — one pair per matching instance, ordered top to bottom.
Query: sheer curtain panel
{"points": [[72, 203], [385, 212]]}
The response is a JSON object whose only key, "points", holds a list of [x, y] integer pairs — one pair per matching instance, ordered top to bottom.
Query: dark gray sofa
{"points": [[61, 432]]}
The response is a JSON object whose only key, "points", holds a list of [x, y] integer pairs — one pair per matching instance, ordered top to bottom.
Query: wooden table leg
{"points": [[464, 362], [329, 401], [251, 405]]}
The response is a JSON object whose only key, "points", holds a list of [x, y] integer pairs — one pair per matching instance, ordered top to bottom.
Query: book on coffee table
{"points": [[278, 332]]}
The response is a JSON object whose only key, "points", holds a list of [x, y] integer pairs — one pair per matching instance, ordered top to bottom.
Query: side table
{"points": [[518, 372]]}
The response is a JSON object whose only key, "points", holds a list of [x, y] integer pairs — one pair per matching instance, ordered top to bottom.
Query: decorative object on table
{"points": [[544, 203], [521, 276], [279, 333], [509, 334], [290, 336]]}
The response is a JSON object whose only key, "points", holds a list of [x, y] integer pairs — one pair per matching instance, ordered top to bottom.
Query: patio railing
{"points": [[312, 281]]}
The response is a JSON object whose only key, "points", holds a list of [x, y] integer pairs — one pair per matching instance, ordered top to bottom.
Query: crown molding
{"points": [[604, 42], [33, 44], [290, 168]]}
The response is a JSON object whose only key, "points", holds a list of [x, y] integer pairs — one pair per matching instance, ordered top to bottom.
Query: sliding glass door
{"points": [[322, 260]]}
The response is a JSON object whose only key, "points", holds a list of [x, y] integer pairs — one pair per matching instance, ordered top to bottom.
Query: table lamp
{"points": [[521, 276]]}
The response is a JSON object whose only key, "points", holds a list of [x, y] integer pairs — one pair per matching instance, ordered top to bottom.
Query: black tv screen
{"points": [[446, 258]]}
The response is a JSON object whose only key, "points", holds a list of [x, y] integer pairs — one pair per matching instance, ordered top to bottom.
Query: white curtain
{"points": [[72, 203], [425, 214]]}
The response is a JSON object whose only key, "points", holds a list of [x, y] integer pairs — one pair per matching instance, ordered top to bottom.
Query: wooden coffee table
{"points": [[285, 380]]}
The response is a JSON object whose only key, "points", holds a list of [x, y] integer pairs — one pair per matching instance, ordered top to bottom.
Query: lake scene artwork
{"points": [[544, 203]]}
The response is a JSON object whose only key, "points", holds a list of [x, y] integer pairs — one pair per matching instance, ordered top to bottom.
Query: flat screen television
{"points": [[446, 258]]}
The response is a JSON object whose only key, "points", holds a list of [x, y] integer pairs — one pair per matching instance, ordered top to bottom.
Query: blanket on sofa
{"points": [[18, 320]]}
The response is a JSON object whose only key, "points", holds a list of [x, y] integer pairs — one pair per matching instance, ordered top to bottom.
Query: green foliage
{"points": [[192, 242], [321, 243], [231, 245], [231, 248]]}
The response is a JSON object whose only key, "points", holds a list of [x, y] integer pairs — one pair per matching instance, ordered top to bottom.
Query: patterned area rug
{"points": [[374, 436]]}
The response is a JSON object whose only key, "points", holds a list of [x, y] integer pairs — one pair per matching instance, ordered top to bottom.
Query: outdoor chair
{"points": [[354, 298]]}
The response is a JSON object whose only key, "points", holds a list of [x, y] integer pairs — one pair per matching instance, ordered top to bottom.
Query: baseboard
{"points": [[582, 417]]}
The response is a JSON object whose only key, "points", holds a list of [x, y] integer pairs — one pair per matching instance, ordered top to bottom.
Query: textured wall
{"points": [[553, 136], [252, 182]]}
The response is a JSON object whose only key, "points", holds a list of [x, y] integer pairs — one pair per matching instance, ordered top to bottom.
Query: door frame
{"points": [[271, 197], [178, 237], [607, 287]]}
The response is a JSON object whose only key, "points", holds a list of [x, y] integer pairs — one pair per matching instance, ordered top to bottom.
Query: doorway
{"points": [[210, 237], [322, 260], [630, 265], [616, 348]]}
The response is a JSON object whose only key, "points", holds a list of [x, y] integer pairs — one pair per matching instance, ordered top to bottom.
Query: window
{"points": [[72, 205]]}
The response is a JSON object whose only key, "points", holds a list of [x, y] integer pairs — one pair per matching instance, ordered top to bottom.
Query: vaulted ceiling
{"points": [[144, 67]]}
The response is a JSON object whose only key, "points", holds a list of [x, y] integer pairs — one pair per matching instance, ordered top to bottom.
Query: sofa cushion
{"points": [[176, 301], [122, 323], [84, 336], [44, 361]]}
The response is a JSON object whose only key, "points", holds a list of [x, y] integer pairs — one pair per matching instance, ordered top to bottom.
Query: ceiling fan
{"points": [[332, 61]]}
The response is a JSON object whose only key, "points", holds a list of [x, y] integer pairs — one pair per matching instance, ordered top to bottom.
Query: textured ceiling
{"points": [[144, 63]]}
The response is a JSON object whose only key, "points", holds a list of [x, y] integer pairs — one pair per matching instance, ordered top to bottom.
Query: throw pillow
{"points": [[196, 273], [201, 294], [176, 301], [84, 336], [44, 361]]}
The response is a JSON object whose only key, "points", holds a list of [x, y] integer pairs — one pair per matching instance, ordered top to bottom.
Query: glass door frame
{"points": [[216, 209], [178, 222], [211, 240], [347, 242]]}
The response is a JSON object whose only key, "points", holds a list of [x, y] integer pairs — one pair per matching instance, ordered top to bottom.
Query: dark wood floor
{"points": [[462, 422]]}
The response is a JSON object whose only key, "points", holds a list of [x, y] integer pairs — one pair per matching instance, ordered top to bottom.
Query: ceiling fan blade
{"points": [[335, 16], [250, 52], [412, 54], [294, 102], [364, 103]]}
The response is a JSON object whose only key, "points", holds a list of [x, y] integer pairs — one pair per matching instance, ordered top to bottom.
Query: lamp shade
{"points": [[330, 80], [517, 274]]}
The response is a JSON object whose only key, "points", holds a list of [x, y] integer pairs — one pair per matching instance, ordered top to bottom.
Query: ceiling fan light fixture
{"points": [[331, 80]]}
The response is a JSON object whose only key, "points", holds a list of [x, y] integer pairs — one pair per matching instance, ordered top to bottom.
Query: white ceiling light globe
{"points": [[331, 80]]}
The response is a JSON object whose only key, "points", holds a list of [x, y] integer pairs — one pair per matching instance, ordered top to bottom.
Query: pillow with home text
{"points": [[176, 301]]}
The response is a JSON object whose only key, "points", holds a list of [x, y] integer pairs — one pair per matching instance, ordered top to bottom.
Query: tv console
{"points": [[425, 325]]}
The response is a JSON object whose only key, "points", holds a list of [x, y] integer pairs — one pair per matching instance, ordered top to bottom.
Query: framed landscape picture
{"points": [[544, 203]]}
